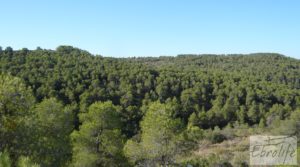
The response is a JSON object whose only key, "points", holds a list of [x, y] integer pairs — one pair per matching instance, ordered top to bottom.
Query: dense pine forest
{"points": [[67, 107]]}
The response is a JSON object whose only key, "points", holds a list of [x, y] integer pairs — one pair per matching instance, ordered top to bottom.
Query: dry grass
{"points": [[227, 146]]}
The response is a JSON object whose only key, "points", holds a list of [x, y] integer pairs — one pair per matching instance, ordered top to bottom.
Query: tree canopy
{"points": [[67, 107]]}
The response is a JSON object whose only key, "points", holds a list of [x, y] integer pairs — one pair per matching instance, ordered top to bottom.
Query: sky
{"points": [[126, 28]]}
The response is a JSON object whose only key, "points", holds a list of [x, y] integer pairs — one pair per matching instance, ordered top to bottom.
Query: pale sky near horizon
{"points": [[125, 28]]}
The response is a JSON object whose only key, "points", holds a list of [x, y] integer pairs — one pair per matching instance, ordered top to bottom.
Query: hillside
{"points": [[117, 107]]}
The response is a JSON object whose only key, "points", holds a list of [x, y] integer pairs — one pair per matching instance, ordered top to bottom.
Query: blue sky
{"points": [[123, 28]]}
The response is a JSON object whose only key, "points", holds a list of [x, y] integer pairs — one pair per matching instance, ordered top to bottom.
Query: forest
{"points": [[69, 108]]}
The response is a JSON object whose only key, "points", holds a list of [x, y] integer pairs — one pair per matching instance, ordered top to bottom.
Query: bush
{"points": [[215, 136], [4, 159], [199, 162]]}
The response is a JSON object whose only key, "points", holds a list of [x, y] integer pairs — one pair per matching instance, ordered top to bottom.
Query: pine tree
{"points": [[159, 139], [99, 141]]}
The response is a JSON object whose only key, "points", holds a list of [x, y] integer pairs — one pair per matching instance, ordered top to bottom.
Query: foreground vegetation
{"points": [[66, 107]]}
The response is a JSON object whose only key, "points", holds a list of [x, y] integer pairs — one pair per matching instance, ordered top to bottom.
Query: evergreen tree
{"points": [[15, 102], [51, 125], [159, 139], [99, 141]]}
